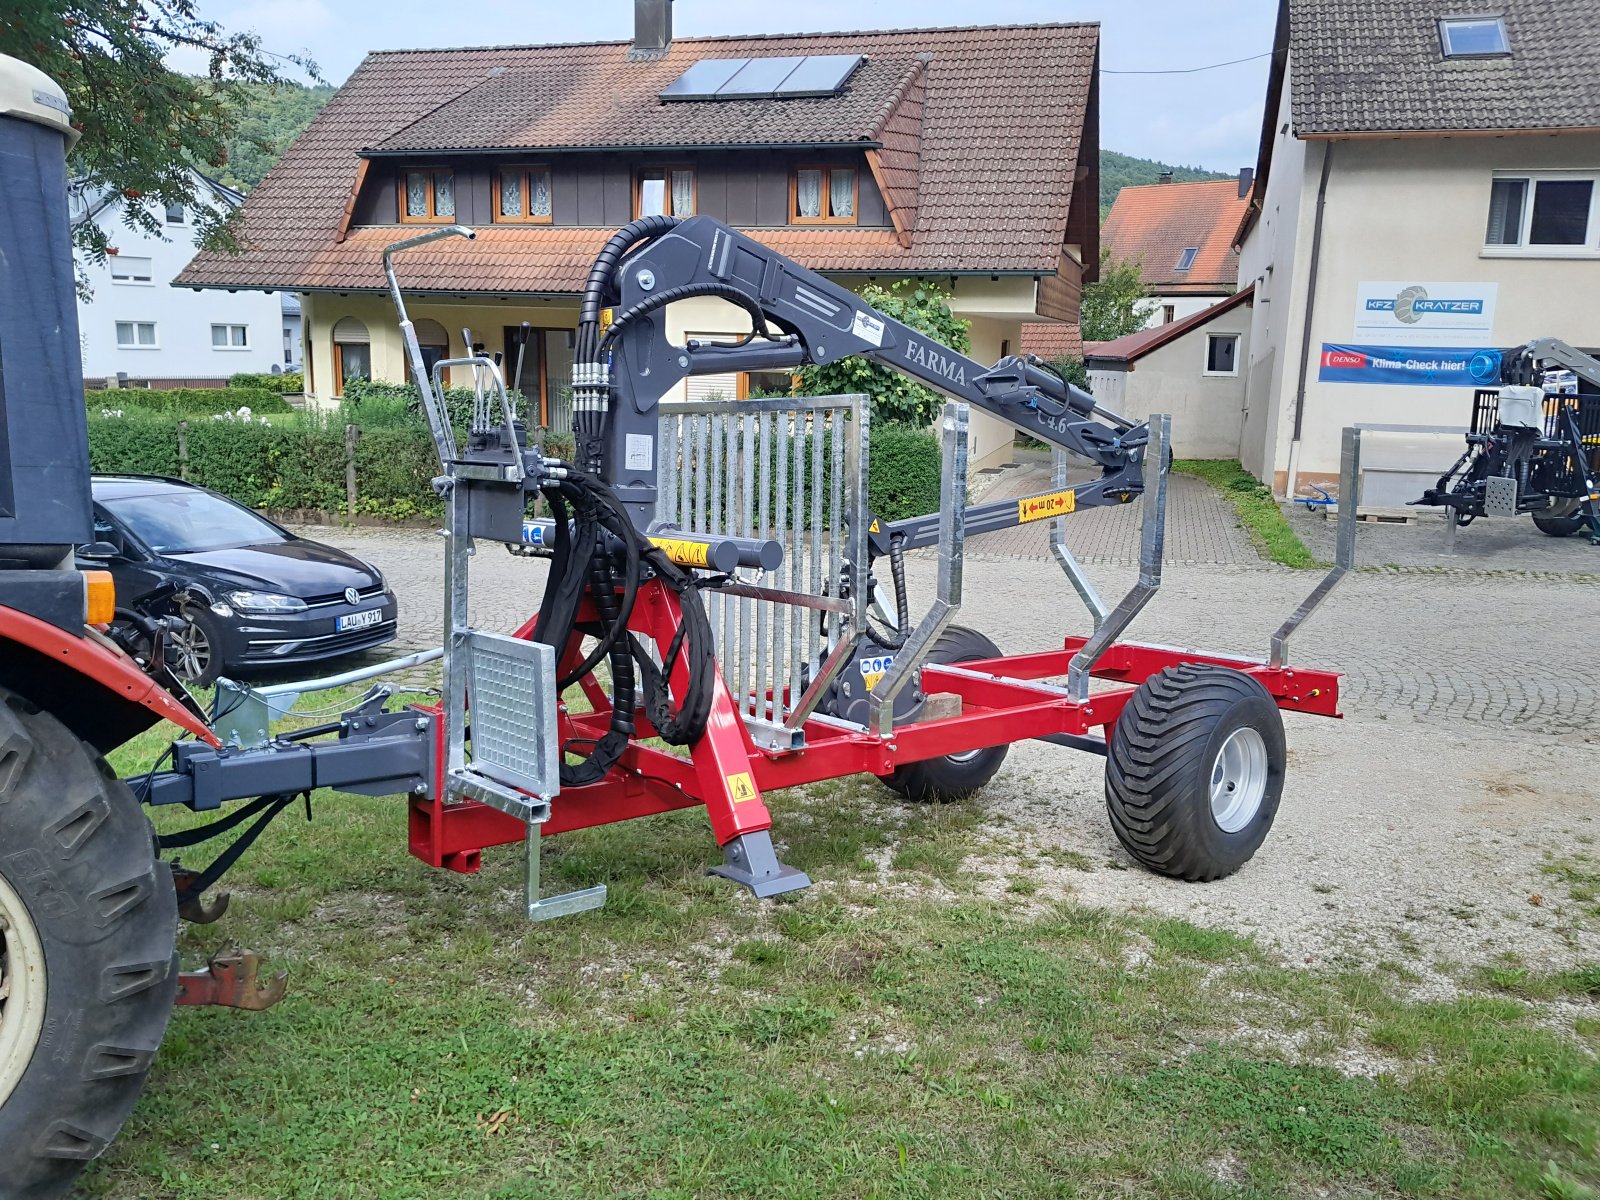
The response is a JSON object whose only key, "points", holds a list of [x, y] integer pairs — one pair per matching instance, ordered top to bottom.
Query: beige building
{"points": [[869, 157], [1428, 190], [1190, 368]]}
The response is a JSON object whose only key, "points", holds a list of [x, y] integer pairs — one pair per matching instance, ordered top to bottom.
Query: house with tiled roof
{"points": [[870, 156], [1427, 193], [1181, 235]]}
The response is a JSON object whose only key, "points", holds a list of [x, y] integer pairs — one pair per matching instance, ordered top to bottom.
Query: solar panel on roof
{"points": [[820, 75], [759, 77], [782, 77], [701, 81]]}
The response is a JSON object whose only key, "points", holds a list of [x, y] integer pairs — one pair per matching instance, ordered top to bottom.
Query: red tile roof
{"points": [[978, 155], [1154, 224], [1051, 340], [1133, 346]]}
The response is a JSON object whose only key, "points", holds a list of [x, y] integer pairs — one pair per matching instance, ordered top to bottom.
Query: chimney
{"points": [[652, 29], [1166, 177], [1247, 177]]}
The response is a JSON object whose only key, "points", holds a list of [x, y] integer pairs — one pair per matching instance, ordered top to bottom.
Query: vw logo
{"points": [[352, 596]]}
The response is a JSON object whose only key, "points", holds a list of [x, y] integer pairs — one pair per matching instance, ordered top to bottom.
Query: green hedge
{"points": [[289, 381], [191, 401], [299, 462]]}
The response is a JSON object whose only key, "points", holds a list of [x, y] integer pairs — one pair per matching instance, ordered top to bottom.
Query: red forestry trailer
{"points": [[717, 580]]}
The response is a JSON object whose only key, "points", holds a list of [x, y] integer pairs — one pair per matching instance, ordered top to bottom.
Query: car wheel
{"points": [[195, 650]]}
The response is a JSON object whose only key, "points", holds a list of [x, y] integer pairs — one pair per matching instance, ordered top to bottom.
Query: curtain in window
{"points": [[683, 193], [808, 193], [842, 193], [416, 194], [444, 194], [511, 194], [539, 194], [652, 196], [1505, 212]]}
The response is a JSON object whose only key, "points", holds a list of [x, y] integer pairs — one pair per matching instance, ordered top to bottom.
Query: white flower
{"points": [[244, 411]]}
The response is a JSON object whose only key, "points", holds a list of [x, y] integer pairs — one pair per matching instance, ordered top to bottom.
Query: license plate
{"points": [[361, 620]]}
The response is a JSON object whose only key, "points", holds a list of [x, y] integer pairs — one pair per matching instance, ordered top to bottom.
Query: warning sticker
{"points": [[868, 328], [639, 452], [1052, 504], [873, 528], [685, 554], [873, 668], [741, 787]]}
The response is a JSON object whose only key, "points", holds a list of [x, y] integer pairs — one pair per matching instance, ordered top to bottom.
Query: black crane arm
{"points": [[798, 318]]}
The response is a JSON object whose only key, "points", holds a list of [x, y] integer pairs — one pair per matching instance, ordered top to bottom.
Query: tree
{"points": [[271, 116], [144, 126], [1116, 304], [895, 398]]}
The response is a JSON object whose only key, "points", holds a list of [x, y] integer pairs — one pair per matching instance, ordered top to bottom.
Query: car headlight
{"points": [[266, 602]]}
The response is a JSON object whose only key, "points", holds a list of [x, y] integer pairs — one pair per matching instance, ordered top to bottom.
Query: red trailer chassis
{"points": [[1002, 700]]}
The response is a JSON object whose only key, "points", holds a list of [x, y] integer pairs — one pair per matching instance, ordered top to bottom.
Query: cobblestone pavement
{"points": [[1201, 526], [1488, 544], [1504, 650], [1422, 830]]}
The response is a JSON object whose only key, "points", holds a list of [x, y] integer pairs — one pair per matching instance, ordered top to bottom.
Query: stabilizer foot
{"points": [[750, 861]]}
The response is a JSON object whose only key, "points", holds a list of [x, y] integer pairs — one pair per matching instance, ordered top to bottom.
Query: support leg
{"points": [[548, 907]]}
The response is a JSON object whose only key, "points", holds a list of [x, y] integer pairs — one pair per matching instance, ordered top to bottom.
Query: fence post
{"points": [[352, 434], [183, 449]]}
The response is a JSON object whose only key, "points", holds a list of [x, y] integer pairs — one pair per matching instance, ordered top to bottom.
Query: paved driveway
{"points": [[1424, 828]]}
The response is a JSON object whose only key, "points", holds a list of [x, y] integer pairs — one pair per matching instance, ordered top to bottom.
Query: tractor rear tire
{"points": [[1562, 519], [1195, 771], [954, 776], [88, 968]]}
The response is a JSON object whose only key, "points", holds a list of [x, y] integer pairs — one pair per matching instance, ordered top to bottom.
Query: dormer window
{"points": [[1474, 37], [428, 194], [522, 196], [823, 196]]}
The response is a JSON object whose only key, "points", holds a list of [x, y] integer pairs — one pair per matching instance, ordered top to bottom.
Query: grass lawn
{"points": [[1258, 512], [888, 1033]]}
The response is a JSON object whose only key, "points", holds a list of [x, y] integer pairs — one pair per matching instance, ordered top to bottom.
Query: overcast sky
{"points": [[1210, 118]]}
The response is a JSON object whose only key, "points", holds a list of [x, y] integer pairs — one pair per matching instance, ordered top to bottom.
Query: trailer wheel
{"points": [[1562, 519], [1195, 771], [955, 776], [88, 922]]}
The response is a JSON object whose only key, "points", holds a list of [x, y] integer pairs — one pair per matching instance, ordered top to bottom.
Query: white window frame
{"points": [[183, 214], [1590, 249], [149, 279], [230, 327], [136, 344], [1205, 361]]}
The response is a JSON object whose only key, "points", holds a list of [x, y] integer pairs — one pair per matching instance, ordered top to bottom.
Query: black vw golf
{"points": [[252, 596]]}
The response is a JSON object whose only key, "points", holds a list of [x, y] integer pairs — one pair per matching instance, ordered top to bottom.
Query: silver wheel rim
{"points": [[1561, 509], [194, 649], [965, 756], [1238, 779], [22, 989]]}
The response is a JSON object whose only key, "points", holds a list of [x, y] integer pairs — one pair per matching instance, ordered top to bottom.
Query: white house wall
{"points": [[1396, 209], [1269, 260], [1182, 306], [183, 317], [1205, 409]]}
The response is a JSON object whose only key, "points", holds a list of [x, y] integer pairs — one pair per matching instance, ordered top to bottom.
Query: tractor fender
{"points": [[93, 689]]}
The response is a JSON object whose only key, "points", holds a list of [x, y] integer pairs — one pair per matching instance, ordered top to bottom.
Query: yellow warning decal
{"points": [[607, 315], [1052, 504], [873, 528], [685, 554], [874, 667], [741, 787]]}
